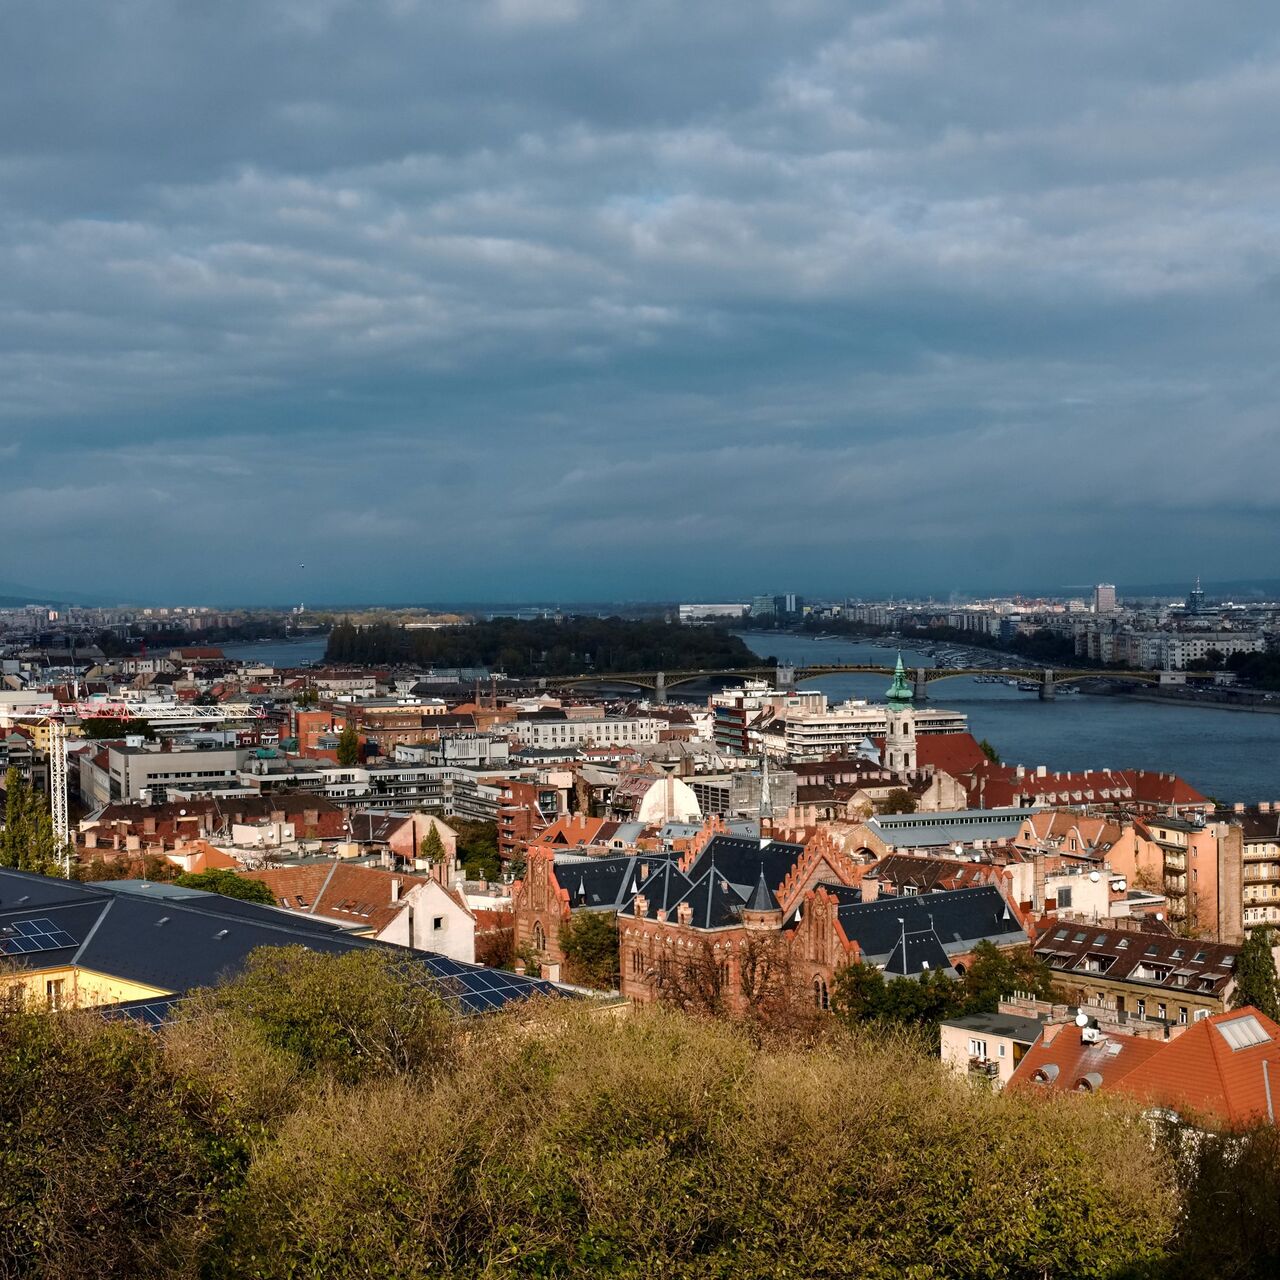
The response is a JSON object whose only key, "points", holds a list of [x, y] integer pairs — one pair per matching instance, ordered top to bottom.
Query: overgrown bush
{"points": [[324, 1117], [669, 1146]]}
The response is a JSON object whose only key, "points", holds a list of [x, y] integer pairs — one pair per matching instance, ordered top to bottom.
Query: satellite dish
{"points": [[182, 813], [1094, 876], [1159, 915], [1082, 1019]]}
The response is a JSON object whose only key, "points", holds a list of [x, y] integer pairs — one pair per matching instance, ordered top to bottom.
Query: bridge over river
{"points": [[1046, 679]]}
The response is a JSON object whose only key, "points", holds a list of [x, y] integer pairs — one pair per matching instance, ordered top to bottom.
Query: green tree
{"points": [[349, 746], [989, 751], [899, 800], [29, 842], [432, 848], [478, 849], [227, 883], [589, 942], [993, 974], [1256, 982], [861, 993], [364, 1013]]}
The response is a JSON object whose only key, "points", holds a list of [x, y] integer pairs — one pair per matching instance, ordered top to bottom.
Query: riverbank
{"points": [[1177, 700]]}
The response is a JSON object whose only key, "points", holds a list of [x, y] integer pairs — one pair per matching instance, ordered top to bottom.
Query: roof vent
{"points": [[162, 920], [222, 933]]}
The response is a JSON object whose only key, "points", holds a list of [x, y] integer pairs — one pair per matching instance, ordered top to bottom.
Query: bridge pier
{"points": [[785, 678], [922, 685], [660, 689], [1047, 691]]}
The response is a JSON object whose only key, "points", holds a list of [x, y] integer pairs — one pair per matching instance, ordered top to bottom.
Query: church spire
{"points": [[899, 693]]}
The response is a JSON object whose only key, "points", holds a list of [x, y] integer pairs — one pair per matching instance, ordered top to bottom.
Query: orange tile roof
{"points": [[349, 892], [1068, 1060], [1202, 1074]]}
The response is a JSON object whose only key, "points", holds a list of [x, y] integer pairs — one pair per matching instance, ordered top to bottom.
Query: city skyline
{"points": [[536, 297]]}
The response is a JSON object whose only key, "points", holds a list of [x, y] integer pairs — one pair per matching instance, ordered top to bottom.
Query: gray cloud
{"points": [[583, 298]]}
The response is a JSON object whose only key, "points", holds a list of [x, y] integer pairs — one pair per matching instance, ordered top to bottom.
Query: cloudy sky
{"points": [[580, 299]]}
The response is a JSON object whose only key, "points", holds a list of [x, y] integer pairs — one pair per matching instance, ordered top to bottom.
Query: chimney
{"points": [[1041, 771], [1264, 806], [1238, 807], [1039, 885], [870, 888], [395, 889], [641, 906], [684, 913], [551, 972]]}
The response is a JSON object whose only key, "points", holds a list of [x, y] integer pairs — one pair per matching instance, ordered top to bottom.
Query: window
{"points": [[1064, 898], [437, 922], [53, 992], [821, 997], [1142, 1008], [1160, 1012], [1182, 1016], [977, 1048], [1001, 1051]]}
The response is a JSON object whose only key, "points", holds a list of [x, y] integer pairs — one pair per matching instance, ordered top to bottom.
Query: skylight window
{"points": [[1243, 1032]]}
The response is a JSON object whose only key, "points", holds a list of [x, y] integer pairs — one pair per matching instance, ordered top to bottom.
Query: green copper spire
{"points": [[899, 692]]}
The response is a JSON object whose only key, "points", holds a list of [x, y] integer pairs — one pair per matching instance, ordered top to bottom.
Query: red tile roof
{"points": [[1071, 1063], [1215, 1069], [1224, 1069]]}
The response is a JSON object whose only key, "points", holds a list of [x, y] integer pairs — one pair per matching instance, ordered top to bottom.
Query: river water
{"points": [[278, 653], [1231, 755]]}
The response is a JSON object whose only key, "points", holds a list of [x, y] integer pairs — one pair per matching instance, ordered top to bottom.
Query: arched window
{"points": [[539, 937], [821, 998]]}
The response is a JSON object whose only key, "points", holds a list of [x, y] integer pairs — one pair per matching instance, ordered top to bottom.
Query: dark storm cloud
{"points": [[565, 297]]}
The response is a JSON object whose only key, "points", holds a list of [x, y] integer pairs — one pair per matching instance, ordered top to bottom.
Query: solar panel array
{"points": [[23, 937], [473, 989]]}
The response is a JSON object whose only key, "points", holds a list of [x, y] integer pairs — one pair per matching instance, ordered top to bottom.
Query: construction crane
{"points": [[55, 714]]}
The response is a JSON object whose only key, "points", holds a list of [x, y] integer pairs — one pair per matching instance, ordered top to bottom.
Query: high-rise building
{"points": [[1104, 598], [1195, 598]]}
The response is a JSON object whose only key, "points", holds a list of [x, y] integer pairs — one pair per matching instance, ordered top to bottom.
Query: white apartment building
{"points": [[840, 730], [604, 731]]}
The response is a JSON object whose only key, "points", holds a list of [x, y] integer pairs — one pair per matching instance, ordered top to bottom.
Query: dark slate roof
{"points": [[739, 860], [598, 884], [664, 886], [842, 893], [762, 897], [714, 901], [961, 919], [178, 940], [922, 951]]}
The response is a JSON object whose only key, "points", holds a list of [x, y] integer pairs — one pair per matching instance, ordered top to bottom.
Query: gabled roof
{"points": [[739, 861], [714, 902], [960, 918], [175, 940], [916, 953], [1160, 960], [1071, 1062], [1216, 1068]]}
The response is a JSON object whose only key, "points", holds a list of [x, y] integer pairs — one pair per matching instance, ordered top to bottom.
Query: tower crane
{"points": [[55, 714]]}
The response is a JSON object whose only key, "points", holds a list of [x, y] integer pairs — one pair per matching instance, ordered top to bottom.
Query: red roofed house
{"points": [[410, 911], [1224, 1070]]}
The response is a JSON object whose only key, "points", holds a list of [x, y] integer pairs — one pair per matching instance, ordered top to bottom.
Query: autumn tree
{"points": [[349, 746]]}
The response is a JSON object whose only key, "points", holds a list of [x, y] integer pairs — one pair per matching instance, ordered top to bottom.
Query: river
{"points": [[278, 653], [1231, 755]]}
